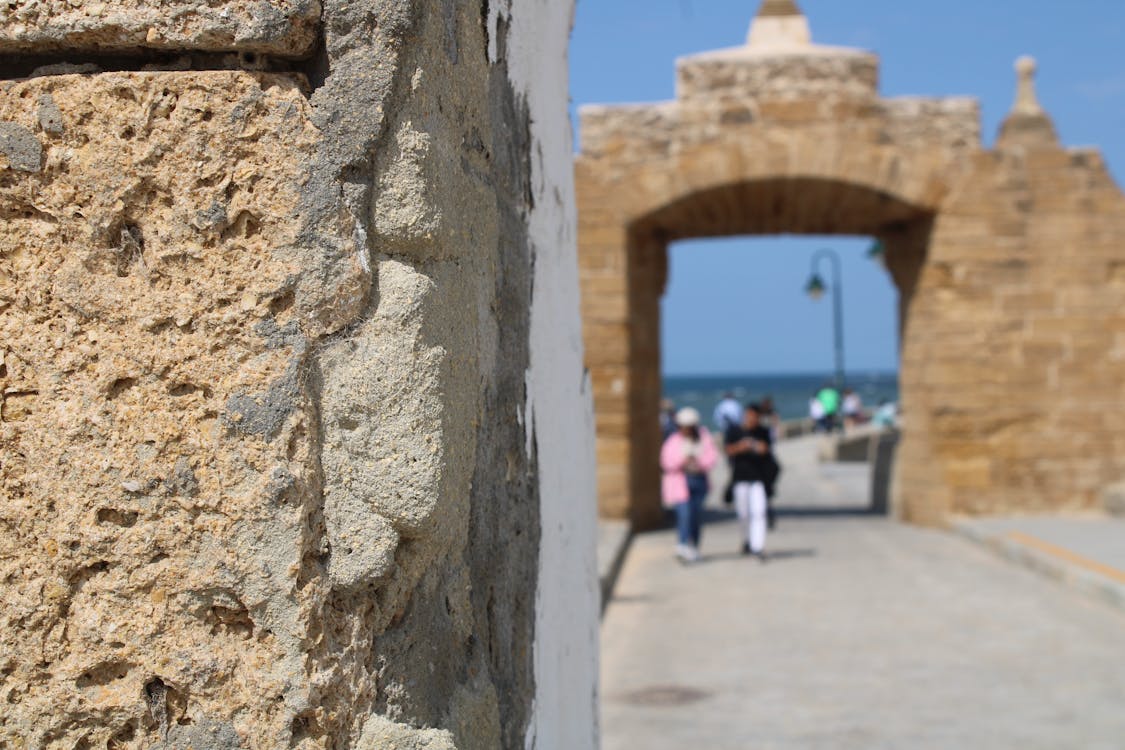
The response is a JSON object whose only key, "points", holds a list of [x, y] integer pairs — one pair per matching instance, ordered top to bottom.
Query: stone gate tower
{"points": [[1008, 261]]}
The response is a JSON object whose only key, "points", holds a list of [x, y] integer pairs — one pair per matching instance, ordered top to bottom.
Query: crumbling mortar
{"points": [[15, 67], [345, 157]]}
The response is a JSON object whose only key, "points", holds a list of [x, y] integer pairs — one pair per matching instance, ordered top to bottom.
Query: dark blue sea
{"points": [[791, 393]]}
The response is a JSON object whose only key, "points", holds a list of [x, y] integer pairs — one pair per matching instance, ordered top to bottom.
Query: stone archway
{"points": [[785, 136]]}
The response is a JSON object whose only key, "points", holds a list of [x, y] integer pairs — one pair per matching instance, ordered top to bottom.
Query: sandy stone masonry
{"points": [[283, 27], [1008, 263], [267, 472]]}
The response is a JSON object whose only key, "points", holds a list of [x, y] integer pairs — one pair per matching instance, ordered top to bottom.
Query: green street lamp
{"points": [[816, 289]]}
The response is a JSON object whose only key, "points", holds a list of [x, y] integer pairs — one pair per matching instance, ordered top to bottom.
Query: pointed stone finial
{"points": [[780, 23], [1027, 100], [1028, 124]]}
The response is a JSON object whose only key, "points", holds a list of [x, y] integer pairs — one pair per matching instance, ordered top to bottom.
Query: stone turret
{"points": [[780, 23], [779, 62], [1028, 124]]}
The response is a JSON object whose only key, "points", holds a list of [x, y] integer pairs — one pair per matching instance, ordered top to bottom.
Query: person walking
{"points": [[829, 399], [853, 410], [728, 413], [816, 414], [886, 416], [667, 418], [771, 420], [750, 447], [687, 457]]}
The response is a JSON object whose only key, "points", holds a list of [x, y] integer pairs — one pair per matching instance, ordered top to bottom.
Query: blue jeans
{"points": [[689, 515]]}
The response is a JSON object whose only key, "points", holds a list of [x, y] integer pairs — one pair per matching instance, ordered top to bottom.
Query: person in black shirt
{"points": [[771, 420], [750, 449]]}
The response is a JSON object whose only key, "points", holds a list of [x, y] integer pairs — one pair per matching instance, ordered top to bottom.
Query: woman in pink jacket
{"points": [[686, 458]]}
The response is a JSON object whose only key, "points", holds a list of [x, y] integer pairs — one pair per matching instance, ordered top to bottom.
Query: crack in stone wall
{"points": [[15, 66]]}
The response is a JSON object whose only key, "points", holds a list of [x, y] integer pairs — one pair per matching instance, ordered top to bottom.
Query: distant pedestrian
{"points": [[829, 398], [853, 409], [728, 413], [816, 414], [886, 415], [667, 418], [770, 418], [751, 447], [687, 457]]}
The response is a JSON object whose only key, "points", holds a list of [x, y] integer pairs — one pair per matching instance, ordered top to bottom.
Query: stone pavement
{"points": [[1087, 553], [860, 633]]}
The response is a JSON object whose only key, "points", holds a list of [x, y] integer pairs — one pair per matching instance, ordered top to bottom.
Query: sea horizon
{"points": [[782, 373], [790, 391]]}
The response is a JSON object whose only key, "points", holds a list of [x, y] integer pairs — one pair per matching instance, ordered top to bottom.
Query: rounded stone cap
{"points": [[1026, 66]]}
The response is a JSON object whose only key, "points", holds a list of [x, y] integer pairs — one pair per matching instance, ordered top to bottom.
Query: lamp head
{"points": [[815, 288]]}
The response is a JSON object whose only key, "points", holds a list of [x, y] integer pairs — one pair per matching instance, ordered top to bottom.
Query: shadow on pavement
{"points": [[862, 511], [719, 515], [771, 555]]}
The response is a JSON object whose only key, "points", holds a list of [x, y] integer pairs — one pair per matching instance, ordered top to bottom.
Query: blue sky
{"points": [[624, 51]]}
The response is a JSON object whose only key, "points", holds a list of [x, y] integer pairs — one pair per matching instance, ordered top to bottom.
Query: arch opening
{"points": [[737, 318], [628, 409]]}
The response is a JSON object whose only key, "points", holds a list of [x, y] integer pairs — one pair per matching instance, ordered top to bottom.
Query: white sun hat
{"points": [[687, 417]]}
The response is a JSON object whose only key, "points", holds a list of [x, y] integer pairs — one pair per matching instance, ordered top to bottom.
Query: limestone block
{"points": [[281, 27], [744, 73], [954, 122], [155, 429], [268, 446]]}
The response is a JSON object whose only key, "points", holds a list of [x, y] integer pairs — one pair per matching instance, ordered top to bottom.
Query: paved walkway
{"points": [[1085, 553], [860, 633]]}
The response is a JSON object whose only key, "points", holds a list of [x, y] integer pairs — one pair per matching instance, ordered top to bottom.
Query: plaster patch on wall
{"points": [[496, 9], [559, 410]]}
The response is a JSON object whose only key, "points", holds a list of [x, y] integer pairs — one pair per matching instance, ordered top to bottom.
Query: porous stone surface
{"points": [[282, 27], [803, 73], [1006, 261], [139, 276], [264, 355]]}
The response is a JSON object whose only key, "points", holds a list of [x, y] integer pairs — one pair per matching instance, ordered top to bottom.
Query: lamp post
{"points": [[816, 289]]}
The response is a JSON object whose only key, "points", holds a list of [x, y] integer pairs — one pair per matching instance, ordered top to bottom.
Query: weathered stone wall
{"points": [[283, 27], [833, 74], [650, 175], [1007, 261], [1017, 360], [269, 472]]}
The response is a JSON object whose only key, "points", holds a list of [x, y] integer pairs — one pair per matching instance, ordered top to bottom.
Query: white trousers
{"points": [[750, 501]]}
